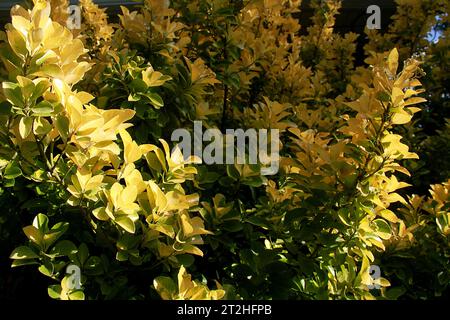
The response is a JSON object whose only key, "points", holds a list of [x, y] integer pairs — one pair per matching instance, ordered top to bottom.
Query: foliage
{"points": [[85, 119]]}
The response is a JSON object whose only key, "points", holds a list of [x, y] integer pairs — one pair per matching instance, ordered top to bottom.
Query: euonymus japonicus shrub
{"points": [[91, 181]]}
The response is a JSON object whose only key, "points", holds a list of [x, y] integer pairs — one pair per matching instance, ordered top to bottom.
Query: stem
{"points": [[41, 150], [60, 156]]}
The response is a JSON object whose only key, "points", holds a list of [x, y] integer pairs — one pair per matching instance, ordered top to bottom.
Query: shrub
{"points": [[86, 116]]}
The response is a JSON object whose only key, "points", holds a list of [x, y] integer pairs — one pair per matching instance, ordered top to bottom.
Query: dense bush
{"points": [[89, 174]]}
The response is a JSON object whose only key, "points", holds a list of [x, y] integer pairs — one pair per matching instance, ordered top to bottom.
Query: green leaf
{"points": [[11, 61], [138, 85], [26, 86], [39, 90], [13, 94], [383, 96], [155, 99], [5, 108], [43, 108], [62, 125], [42, 126], [154, 162], [12, 171], [232, 172], [255, 182], [9, 183], [295, 214], [343, 215], [258, 221], [41, 222], [233, 225], [60, 227], [383, 229], [55, 232], [127, 242], [64, 248], [23, 252], [83, 253], [121, 256], [185, 259], [93, 266], [47, 269], [165, 286], [54, 291], [395, 293], [77, 295]]}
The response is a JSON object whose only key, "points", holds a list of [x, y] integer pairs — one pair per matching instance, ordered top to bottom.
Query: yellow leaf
{"points": [[21, 24], [71, 51], [393, 61], [75, 72], [154, 78], [415, 83], [397, 96], [84, 97], [415, 100], [413, 109], [401, 117], [114, 119], [146, 148], [166, 151], [132, 152], [83, 178], [134, 178], [94, 182], [115, 192], [127, 196], [156, 197], [394, 197], [376, 200], [176, 201], [100, 214], [388, 215], [126, 223], [186, 225], [199, 227], [165, 229], [33, 234], [377, 242], [188, 248], [165, 250], [364, 272], [184, 281], [384, 282], [198, 293], [217, 294]]}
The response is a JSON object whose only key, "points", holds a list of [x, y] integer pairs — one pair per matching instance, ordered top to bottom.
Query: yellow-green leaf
{"points": [[25, 126]]}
